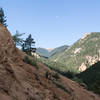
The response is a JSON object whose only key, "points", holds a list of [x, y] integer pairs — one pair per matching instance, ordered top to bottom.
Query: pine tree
{"points": [[2, 17], [17, 38], [29, 44]]}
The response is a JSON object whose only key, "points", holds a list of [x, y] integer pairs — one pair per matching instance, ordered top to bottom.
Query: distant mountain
{"points": [[49, 49], [58, 50], [42, 52], [50, 52], [82, 54], [91, 77]]}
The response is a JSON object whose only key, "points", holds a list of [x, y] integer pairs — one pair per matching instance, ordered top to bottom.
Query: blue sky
{"points": [[52, 23]]}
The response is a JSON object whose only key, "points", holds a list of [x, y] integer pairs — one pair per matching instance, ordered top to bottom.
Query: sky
{"points": [[52, 23]]}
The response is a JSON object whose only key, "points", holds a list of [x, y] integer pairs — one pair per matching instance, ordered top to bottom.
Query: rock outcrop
{"points": [[83, 67]]}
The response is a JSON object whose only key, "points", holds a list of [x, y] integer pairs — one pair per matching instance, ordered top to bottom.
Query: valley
{"points": [[79, 56]]}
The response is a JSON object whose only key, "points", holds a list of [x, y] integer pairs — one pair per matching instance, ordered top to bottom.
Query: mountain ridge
{"points": [[48, 52], [82, 54]]}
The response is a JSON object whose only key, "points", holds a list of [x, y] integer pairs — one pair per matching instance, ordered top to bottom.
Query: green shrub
{"points": [[30, 61], [47, 75], [51, 75], [56, 76], [78, 80], [54, 96]]}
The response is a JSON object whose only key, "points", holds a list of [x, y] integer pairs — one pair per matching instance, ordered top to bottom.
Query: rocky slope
{"points": [[82, 54], [21, 81]]}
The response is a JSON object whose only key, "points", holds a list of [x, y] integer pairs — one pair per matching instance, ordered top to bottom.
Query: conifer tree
{"points": [[2, 17], [17, 38], [29, 44]]}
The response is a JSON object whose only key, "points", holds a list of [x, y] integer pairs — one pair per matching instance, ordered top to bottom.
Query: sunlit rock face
{"points": [[82, 67]]}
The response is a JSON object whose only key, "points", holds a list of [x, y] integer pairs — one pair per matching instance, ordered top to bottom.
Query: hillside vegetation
{"points": [[82, 54], [91, 77]]}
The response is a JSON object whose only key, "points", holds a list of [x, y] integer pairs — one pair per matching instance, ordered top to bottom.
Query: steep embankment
{"points": [[82, 54], [21, 81]]}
